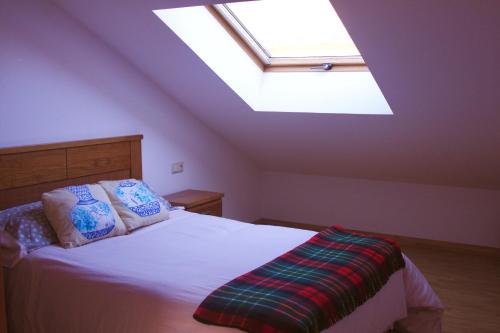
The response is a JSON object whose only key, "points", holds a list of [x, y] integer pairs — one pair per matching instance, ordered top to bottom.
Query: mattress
{"points": [[153, 279]]}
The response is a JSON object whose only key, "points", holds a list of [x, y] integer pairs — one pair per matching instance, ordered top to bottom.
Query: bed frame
{"points": [[28, 171]]}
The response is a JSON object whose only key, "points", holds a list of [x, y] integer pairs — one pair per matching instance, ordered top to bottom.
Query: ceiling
{"points": [[436, 62]]}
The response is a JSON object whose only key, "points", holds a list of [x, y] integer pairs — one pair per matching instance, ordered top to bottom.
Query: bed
{"points": [[153, 279]]}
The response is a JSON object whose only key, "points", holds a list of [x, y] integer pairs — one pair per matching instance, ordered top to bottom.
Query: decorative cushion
{"points": [[136, 203], [82, 214], [23, 229]]}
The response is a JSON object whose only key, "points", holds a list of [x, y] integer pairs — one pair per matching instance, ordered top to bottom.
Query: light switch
{"points": [[177, 167]]}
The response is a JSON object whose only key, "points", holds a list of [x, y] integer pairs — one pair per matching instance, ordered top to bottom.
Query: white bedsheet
{"points": [[152, 280]]}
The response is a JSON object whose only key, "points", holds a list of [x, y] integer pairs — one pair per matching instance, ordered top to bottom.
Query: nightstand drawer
{"points": [[196, 201], [213, 208]]}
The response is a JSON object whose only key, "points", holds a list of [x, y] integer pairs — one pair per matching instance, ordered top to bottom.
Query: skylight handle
{"points": [[326, 66]]}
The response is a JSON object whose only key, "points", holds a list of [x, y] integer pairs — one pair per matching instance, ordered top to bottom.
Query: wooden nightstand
{"points": [[202, 202]]}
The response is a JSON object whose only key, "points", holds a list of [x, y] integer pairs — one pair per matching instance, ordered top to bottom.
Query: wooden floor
{"points": [[466, 278], [467, 282]]}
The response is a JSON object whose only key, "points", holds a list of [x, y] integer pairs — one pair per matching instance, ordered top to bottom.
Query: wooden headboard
{"points": [[28, 171]]}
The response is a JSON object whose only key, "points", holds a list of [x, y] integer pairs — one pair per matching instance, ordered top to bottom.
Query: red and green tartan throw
{"points": [[307, 289]]}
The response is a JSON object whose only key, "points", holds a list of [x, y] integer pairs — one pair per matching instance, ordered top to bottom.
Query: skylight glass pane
{"points": [[295, 28]]}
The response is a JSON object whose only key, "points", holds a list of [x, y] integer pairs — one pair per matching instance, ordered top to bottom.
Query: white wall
{"points": [[211, 42], [59, 82], [322, 92], [453, 214]]}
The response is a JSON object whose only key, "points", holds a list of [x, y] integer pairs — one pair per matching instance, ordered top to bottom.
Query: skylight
{"points": [[285, 32], [271, 88]]}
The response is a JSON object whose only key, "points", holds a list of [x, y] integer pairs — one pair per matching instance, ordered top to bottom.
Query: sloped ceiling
{"points": [[436, 62]]}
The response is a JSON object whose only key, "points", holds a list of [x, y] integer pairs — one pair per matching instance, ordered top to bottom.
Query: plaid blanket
{"points": [[307, 289]]}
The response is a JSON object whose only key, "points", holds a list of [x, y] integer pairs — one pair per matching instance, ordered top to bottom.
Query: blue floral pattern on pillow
{"points": [[137, 197], [161, 199], [91, 217], [29, 225]]}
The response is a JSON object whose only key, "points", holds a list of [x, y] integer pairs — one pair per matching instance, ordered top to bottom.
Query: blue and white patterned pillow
{"points": [[136, 203], [81, 214], [29, 225], [23, 229]]}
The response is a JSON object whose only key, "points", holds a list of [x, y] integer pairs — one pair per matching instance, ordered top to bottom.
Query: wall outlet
{"points": [[177, 167]]}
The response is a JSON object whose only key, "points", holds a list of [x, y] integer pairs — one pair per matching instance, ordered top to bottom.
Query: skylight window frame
{"points": [[257, 52]]}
